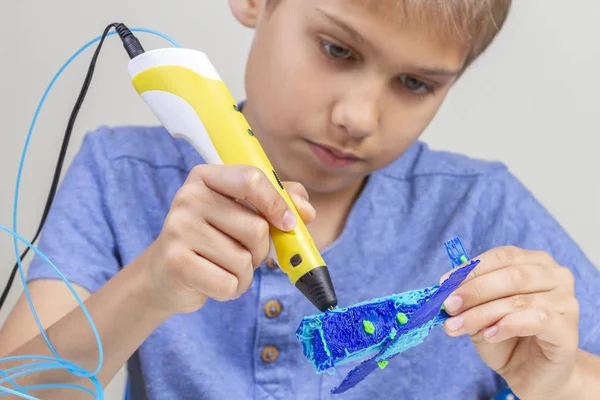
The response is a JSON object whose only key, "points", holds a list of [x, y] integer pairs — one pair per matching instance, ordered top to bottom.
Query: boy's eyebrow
{"points": [[344, 26], [430, 71], [434, 71]]}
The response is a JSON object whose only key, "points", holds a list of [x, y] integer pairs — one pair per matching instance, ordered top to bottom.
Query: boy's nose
{"points": [[357, 113]]}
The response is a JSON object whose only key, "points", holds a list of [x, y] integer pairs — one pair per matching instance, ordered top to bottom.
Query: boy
{"points": [[338, 93]]}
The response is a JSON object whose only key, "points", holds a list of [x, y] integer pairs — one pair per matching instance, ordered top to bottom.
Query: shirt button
{"points": [[271, 263], [272, 309], [269, 354]]}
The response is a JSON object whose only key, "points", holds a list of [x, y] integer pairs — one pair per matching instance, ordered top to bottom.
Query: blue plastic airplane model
{"points": [[386, 326]]}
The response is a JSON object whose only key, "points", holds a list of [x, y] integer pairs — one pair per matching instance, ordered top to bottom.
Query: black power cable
{"points": [[133, 48]]}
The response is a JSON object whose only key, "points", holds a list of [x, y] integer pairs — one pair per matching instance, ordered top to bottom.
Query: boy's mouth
{"points": [[331, 156]]}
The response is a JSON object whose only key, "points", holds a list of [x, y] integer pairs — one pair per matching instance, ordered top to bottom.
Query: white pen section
{"points": [[195, 60], [174, 113]]}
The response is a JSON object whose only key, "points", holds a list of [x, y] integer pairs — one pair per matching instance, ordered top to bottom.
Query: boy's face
{"points": [[337, 89]]}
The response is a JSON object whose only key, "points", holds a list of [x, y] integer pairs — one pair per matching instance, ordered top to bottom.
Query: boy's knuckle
{"points": [[198, 171], [253, 178], [187, 196], [178, 199], [277, 206], [180, 224], [170, 230], [260, 230], [506, 255], [543, 257], [243, 259], [176, 261], [520, 276], [565, 277], [476, 293], [520, 302], [566, 303], [477, 318]]}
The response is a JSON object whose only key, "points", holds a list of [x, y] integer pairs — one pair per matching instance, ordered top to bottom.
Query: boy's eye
{"points": [[335, 51], [415, 85]]}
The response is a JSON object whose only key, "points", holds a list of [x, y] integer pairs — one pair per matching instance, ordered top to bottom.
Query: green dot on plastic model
{"points": [[402, 318]]}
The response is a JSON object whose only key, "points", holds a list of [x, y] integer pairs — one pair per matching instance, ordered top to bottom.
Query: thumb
{"points": [[299, 196]]}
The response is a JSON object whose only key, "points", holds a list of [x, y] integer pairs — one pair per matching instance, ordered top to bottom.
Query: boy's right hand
{"points": [[211, 243]]}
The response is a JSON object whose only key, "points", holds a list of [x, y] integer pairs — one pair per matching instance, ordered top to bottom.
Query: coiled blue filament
{"points": [[41, 363]]}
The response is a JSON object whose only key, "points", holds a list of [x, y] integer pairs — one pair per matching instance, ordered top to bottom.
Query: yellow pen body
{"points": [[187, 95]]}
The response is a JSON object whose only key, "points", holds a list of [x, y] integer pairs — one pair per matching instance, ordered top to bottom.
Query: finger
{"points": [[249, 184], [296, 188], [299, 197], [305, 209], [195, 210], [238, 222], [227, 253], [501, 257], [447, 274], [209, 279], [501, 283], [486, 315], [548, 326], [556, 336]]}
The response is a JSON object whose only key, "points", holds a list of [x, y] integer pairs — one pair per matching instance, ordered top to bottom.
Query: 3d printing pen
{"points": [[185, 92]]}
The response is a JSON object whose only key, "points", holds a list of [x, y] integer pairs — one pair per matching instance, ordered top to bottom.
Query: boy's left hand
{"points": [[520, 311]]}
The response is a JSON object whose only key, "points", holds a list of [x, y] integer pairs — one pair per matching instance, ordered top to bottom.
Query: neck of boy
{"points": [[332, 212]]}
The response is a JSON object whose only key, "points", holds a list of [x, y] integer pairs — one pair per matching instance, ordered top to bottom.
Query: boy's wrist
{"points": [[142, 291], [575, 388]]}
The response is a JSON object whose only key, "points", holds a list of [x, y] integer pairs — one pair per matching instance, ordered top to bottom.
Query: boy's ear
{"points": [[246, 11]]}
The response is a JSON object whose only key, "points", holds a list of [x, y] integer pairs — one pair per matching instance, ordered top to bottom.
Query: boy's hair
{"points": [[471, 23]]}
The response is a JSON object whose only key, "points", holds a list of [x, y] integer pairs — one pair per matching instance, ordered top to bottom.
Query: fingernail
{"points": [[289, 220], [453, 303], [455, 323], [490, 332]]}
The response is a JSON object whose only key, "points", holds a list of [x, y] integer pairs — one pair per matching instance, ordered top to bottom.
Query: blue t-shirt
{"points": [[114, 198]]}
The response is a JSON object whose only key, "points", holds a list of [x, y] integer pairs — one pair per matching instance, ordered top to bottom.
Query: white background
{"points": [[531, 101]]}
